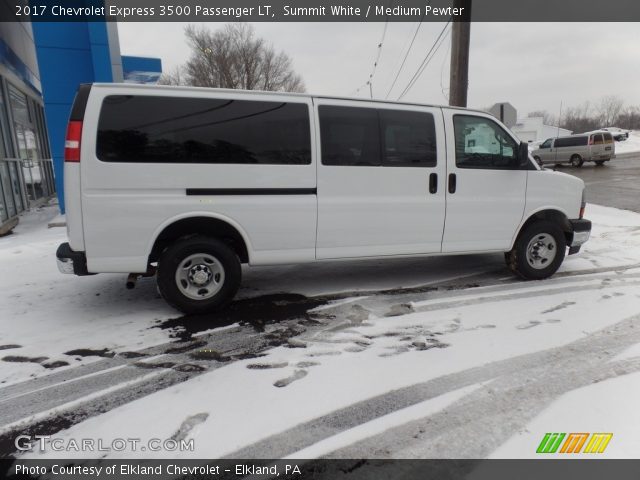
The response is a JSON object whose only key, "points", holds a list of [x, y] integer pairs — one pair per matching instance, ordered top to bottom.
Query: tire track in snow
{"points": [[520, 388], [20, 402], [492, 415]]}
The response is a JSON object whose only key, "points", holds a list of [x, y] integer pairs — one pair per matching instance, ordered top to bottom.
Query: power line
{"points": [[434, 48], [405, 57], [444, 60], [425, 62], [375, 63], [369, 82], [357, 90]]}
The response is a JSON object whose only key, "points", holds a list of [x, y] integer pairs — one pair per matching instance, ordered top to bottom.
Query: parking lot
{"points": [[615, 184]]}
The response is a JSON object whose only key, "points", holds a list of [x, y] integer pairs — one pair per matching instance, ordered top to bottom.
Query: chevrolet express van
{"points": [[597, 147], [192, 183]]}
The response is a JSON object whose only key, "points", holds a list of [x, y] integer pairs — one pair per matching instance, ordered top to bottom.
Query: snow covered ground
{"points": [[630, 146], [44, 314], [414, 374]]}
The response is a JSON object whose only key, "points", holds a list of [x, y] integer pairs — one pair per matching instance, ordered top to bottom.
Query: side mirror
{"points": [[523, 154]]}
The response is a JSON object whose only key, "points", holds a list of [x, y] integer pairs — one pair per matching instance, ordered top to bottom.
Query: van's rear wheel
{"points": [[576, 161], [599, 163], [538, 251], [198, 274]]}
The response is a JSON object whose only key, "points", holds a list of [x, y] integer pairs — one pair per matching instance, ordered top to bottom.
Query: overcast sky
{"points": [[533, 66]]}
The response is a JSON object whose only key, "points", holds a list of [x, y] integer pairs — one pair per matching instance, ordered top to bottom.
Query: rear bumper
{"points": [[581, 232], [70, 261]]}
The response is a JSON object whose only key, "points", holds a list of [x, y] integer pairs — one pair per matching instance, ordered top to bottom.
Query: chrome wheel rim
{"points": [[541, 251], [200, 276]]}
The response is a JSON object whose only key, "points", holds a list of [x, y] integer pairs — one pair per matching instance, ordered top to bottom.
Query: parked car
{"points": [[619, 134], [597, 147], [198, 181]]}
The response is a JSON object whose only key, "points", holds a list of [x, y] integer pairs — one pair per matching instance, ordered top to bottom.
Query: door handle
{"points": [[433, 183], [452, 183]]}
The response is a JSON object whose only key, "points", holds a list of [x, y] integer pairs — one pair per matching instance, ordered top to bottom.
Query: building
{"points": [[90, 52], [41, 66], [141, 69], [530, 129], [533, 129], [26, 170]]}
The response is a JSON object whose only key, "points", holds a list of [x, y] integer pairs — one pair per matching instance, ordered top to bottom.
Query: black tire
{"points": [[538, 160], [576, 161], [600, 163], [212, 259], [525, 264]]}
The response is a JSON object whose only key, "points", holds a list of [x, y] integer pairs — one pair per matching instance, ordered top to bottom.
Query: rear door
{"points": [[609, 145], [597, 146], [380, 179], [486, 189]]}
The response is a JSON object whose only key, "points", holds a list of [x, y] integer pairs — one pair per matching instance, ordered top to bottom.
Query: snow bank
{"points": [[630, 146]]}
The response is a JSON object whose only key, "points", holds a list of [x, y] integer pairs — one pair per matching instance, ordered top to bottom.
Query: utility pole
{"points": [[459, 72]]}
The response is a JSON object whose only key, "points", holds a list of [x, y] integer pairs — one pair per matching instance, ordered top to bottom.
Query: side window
{"points": [[137, 128], [350, 136], [409, 139], [597, 139], [571, 141], [482, 143], [546, 144]]}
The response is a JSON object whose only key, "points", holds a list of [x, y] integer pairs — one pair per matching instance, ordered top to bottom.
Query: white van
{"points": [[597, 147], [198, 181]]}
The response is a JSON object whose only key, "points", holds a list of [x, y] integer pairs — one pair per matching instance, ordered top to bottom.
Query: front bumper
{"points": [[581, 230], [70, 261]]}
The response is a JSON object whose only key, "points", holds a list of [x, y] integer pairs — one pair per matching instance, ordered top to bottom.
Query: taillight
{"points": [[590, 140], [72, 141], [583, 205]]}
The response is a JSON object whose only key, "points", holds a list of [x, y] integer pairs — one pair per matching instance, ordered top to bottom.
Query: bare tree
{"points": [[233, 57], [174, 77], [609, 109], [547, 118], [630, 118], [579, 119]]}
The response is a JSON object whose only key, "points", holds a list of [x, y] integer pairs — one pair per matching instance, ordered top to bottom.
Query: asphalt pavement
{"points": [[615, 184]]}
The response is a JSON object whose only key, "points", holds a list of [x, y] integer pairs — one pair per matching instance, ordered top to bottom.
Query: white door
{"points": [[380, 179], [486, 190]]}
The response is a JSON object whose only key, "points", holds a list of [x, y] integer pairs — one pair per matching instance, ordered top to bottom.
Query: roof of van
{"points": [[137, 86], [574, 135]]}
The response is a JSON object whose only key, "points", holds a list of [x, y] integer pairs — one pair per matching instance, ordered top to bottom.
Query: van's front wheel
{"points": [[576, 161], [538, 251], [198, 274]]}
